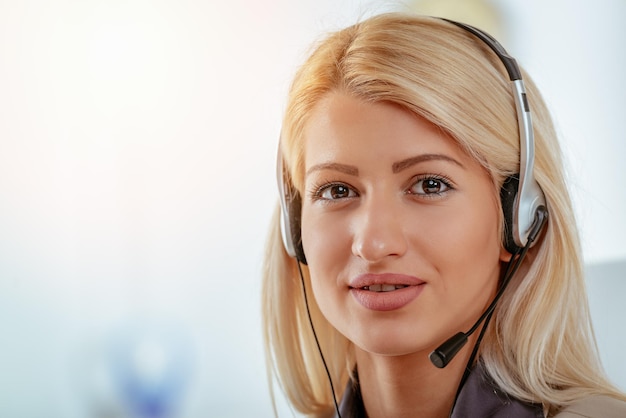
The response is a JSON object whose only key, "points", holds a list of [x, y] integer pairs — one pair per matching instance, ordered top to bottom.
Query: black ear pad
{"points": [[507, 197], [294, 211], [290, 213]]}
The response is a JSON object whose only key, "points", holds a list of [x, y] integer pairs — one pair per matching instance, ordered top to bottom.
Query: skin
{"points": [[387, 192]]}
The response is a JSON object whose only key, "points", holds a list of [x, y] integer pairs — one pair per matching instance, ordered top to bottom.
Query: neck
{"points": [[409, 386]]}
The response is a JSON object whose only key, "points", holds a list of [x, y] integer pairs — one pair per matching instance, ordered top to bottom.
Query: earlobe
{"points": [[505, 255]]}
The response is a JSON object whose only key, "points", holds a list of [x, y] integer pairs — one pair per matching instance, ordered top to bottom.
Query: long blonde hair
{"points": [[540, 345]]}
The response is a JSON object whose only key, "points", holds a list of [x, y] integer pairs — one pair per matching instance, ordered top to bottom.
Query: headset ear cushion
{"points": [[507, 197], [294, 207]]}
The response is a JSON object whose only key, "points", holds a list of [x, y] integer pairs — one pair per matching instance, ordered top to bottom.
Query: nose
{"points": [[378, 231]]}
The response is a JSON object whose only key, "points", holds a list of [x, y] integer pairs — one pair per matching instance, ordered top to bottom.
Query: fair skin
{"points": [[392, 203]]}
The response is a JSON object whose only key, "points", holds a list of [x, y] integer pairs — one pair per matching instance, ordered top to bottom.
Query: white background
{"points": [[137, 145]]}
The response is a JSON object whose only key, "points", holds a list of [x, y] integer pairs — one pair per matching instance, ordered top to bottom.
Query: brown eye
{"points": [[429, 186], [336, 191]]}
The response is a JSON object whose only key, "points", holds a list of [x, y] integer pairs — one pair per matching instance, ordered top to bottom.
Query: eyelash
{"points": [[446, 182], [319, 189]]}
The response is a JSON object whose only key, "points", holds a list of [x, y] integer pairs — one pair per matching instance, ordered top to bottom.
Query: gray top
{"points": [[479, 397]]}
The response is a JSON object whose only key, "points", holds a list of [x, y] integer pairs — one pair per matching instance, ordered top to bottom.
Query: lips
{"points": [[385, 292]]}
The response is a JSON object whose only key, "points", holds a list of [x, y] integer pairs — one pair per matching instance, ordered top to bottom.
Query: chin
{"points": [[387, 341], [393, 350]]}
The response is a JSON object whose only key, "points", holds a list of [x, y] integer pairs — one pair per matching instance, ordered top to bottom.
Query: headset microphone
{"points": [[446, 351]]}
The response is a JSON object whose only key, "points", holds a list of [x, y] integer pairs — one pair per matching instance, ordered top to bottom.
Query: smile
{"points": [[384, 287]]}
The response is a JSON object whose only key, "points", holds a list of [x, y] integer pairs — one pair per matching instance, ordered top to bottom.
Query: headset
{"points": [[520, 195], [523, 204]]}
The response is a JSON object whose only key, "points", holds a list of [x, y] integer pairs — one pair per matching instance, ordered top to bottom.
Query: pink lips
{"points": [[366, 289]]}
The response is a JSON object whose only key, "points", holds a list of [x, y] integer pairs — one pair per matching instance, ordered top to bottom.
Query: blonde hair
{"points": [[540, 345]]}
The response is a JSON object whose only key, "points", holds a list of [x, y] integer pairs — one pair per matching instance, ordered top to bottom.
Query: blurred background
{"points": [[137, 146]]}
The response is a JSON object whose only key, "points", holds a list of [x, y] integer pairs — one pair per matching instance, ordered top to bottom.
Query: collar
{"points": [[479, 397]]}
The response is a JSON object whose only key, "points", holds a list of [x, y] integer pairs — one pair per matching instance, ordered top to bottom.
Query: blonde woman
{"points": [[423, 198]]}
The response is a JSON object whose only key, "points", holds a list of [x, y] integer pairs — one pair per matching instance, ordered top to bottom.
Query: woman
{"points": [[399, 163]]}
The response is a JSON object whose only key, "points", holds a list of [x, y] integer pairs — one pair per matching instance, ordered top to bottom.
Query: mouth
{"points": [[384, 282], [384, 287], [386, 291]]}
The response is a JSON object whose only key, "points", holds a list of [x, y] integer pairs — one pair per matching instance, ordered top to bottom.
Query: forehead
{"points": [[350, 127]]}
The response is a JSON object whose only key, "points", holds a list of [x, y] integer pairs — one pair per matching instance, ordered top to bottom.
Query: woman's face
{"points": [[399, 227]]}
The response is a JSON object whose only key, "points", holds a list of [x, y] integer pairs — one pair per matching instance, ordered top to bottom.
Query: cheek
{"points": [[469, 234], [324, 239], [327, 249], [471, 259]]}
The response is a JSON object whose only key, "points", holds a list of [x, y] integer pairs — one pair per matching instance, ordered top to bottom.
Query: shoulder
{"points": [[594, 407]]}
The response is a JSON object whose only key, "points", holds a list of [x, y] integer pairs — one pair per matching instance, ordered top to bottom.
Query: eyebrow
{"points": [[409, 162], [343, 168], [395, 168]]}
